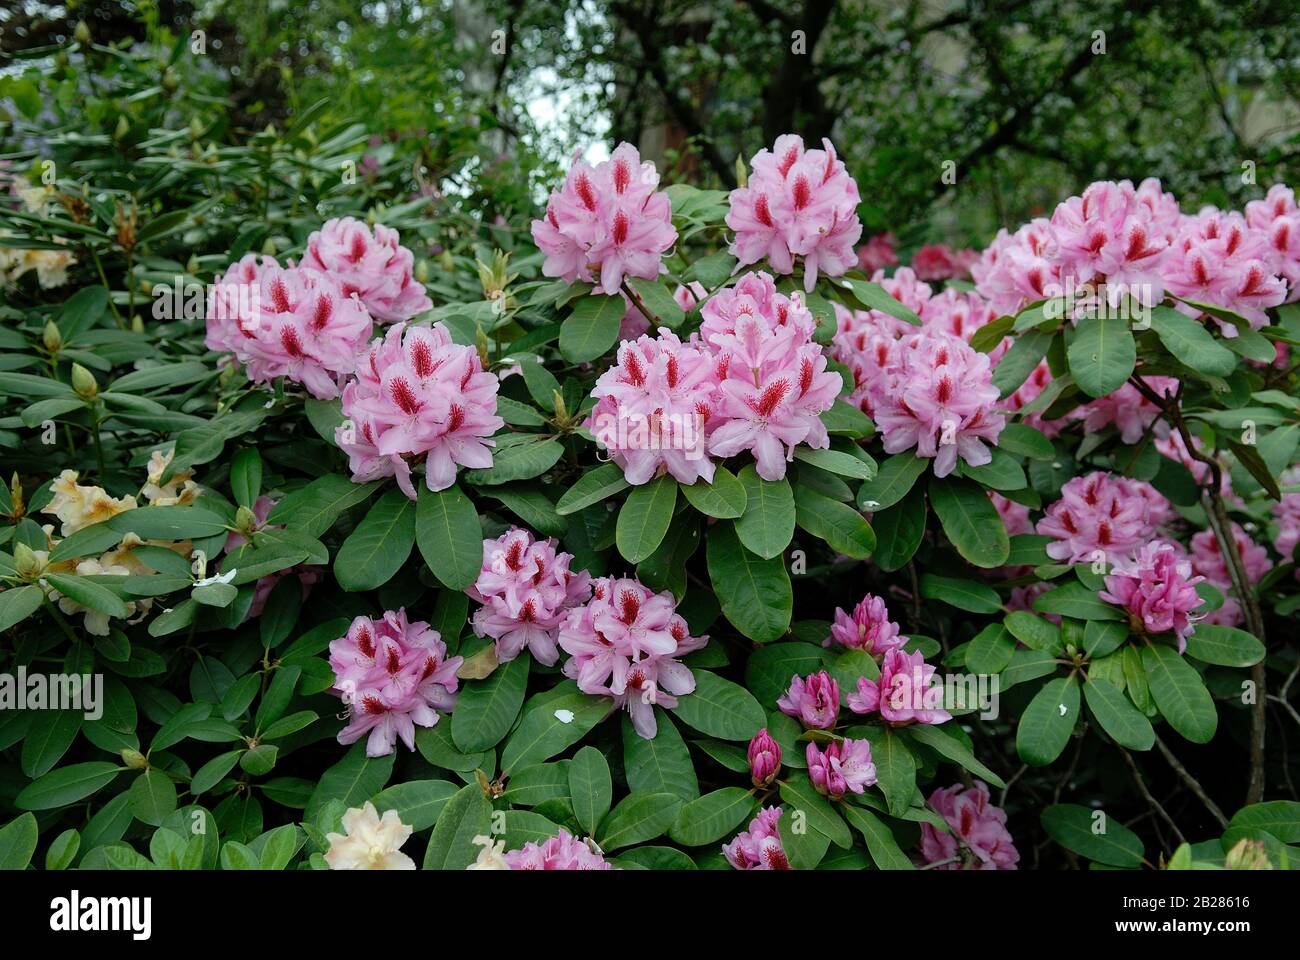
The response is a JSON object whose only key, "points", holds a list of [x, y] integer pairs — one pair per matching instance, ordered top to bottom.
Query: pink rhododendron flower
{"points": [[797, 203], [1279, 217], [606, 223], [877, 253], [1219, 259], [938, 261], [376, 267], [1016, 269], [689, 296], [959, 314], [287, 322], [1026, 393], [418, 397], [938, 397], [1130, 411], [1287, 514], [1015, 516], [1100, 517], [1210, 564], [307, 574], [1157, 589], [527, 590], [868, 628], [624, 643], [394, 676], [906, 691], [814, 702], [764, 758], [845, 766], [979, 838], [759, 847], [563, 851]]}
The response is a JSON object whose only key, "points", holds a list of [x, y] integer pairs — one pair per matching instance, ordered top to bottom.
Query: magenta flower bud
{"points": [[815, 702], [764, 758], [844, 766]]}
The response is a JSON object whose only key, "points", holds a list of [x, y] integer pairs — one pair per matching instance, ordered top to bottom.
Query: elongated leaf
{"points": [[591, 329], [1190, 343], [1101, 354], [892, 481], [592, 487], [724, 498], [644, 518], [970, 520], [767, 524], [844, 529], [899, 530], [450, 536], [379, 546], [755, 594], [969, 595], [18, 603], [1226, 646], [1180, 693], [720, 708], [486, 709], [1117, 716], [551, 724], [1045, 726], [953, 749], [661, 765], [66, 785], [590, 787], [799, 795], [417, 802], [466, 815], [639, 816], [713, 816], [1092, 834], [18, 842], [881, 845]]}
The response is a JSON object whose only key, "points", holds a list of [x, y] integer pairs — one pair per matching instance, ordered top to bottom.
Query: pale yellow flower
{"points": [[180, 490], [77, 506], [371, 843], [492, 856]]}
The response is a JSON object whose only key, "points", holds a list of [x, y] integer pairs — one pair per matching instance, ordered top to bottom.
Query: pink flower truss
{"points": [[797, 203], [1278, 215], [606, 223], [877, 253], [1219, 259], [938, 261], [376, 267], [1016, 268], [959, 314], [287, 322], [864, 343], [774, 382], [1026, 393], [418, 397], [938, 397], [653, 407], [1130, 411], [1287, 514], [1015, 516], [1101, 517], [1210, 564], [307, 574], [1157, 589], [527, 590], [868, 628], [624, 643], [394, 675], [904, 693], [814, 702], [764, 758], [845, 766], [979, 834], [759, 847], [561, 852]]}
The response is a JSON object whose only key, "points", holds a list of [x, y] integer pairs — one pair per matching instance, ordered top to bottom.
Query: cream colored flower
{"points": [[35, 199], [51, 266], [180, 490], [79, 506], [95, 622], [371, 843], [491, 857]]}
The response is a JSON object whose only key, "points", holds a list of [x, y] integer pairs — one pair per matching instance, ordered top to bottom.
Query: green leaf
{"points": [[875, 297], [657, 299], [592, 328], [1190, 343], [1027, 350], [1101, 355], [1025, 441], [518, 457], [835, 461], [1002, 472], [246, 476], [892, 481], [592, 487], [724, 498], [530, 505], [314, 508], [644, 518], [970, 520], [169, 523], [767, 525], [844, 529], [899, 530], [450, 536], [374, 552], [755, 594], [968, 595], [1077, 601], [18, 603], [1035, 632], [1102, 637], [1225, 646], [990, 650], [768, 672], [1180, 693], [720, 708], [486, 709], [1117, 716], [1047, 722], [542, 733], [48, 738], [953, 749], [661, 765], [895, 768], [352, 781], [66, 785], [591, 787], [799, 795], [153, 797], [417, 802], [466, 815], [639, 816], [713, 816], [1281, 818], [1074, 827], [18, 842], [881, 844], [63, 850]]}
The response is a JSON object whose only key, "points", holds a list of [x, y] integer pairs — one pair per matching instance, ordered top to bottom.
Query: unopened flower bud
{"points": [[82, 33], [123, 127], [268, 247], [448, 262], [422, 271], [137, 324], [51, 336], [83, 381], [245, 521], [26, 563], [764, 758], [134, 759], [1247, 854]]}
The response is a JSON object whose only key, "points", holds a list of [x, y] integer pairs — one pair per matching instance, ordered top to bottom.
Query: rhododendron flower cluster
{"points": [[797, 203], [1278, 216], [606, 223], [878, 252], [1219, 259], [938, 261], [374, 266], [1017, 268], [293, 322], [418, 397], [1127, 408], [1287, 514], [1102, 517], [1210, 564], [1157, 589], [527, 590], [868, 628], [624, 643], [394, 676], [905, 693], [814, 702], [845, 766], [979, 839], [759, 847], [564, 851]]}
